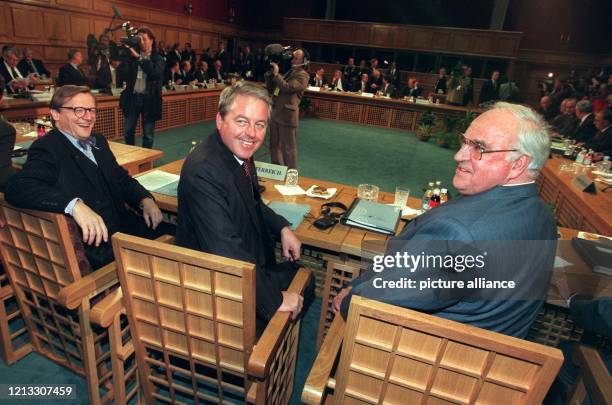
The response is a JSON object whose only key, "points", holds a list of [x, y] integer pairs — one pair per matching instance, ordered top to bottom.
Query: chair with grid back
{"points": [[45, 264], [337, 276], [192, 317], [14, 338], [394, 355]]}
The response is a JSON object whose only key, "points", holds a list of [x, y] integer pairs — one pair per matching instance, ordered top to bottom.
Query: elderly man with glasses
{"points": [[72, 171], [498, 221]]}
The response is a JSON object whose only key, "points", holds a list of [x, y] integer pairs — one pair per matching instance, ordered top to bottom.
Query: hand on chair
{"points": [[92, 225], [292, 302]]}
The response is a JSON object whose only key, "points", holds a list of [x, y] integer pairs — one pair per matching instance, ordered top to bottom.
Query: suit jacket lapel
{"points": [[82, 161]]}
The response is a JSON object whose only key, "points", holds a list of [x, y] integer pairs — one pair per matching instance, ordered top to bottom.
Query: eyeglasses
{"points": [[79, 112], [477, 150]]}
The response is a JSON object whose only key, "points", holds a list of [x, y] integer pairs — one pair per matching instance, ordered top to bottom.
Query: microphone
{"points": [[116, 11]]}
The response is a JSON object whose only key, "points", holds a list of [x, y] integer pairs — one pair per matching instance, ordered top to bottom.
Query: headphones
{"points": [[329, 218]]}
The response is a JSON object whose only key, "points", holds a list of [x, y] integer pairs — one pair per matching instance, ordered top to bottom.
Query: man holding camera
{"points": [[287, 91], [143, 93]]}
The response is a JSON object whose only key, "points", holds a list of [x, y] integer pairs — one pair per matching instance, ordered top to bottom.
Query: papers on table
{"points": [[31, 134], [160, 182], [289, 190], [294, 213], [372, 216]]}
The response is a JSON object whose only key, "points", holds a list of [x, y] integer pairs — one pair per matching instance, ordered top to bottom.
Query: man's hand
{"points": [[133, 51], [274, 68], [151, 213], [91, 224], [290, 244], [292, 302], [337, 303]]}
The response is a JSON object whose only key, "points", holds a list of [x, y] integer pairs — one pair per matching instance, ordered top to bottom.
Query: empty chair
{"points": [[192, 318], [394, 355]]}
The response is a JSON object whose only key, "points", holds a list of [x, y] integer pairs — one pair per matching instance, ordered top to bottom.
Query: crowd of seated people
{"points": [[20, 74]]}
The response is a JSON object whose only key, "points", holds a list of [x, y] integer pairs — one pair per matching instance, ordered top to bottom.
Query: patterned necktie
{"points": [[14, 72], [83, 143], [246, 170]]}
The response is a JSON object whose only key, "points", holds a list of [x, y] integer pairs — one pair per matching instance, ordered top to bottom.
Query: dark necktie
{"points": [[15, 74], [83, 143], [246, 170]]}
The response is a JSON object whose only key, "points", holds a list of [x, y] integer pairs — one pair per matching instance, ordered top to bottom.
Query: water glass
{"points": [[291, 180], [368, 192], [401, 196]]}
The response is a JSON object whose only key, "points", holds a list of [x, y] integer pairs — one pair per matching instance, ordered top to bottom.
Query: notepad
{"points": [[157, 179], [294, 213], [372, 216]]}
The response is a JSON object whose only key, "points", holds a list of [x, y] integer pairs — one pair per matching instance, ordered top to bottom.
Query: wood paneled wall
{"points": [[51, 27], [494, 44]]}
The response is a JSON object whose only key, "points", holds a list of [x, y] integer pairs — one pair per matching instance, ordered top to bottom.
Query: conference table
{"points": [[575, 208], [344, 245]]}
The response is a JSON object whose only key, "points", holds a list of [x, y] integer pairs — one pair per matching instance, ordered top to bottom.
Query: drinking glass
{"points": [[292, 178], [368, 192], [401, 196]]}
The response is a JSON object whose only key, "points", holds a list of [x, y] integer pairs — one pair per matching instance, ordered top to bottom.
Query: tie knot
{"points": [[91, 141]]}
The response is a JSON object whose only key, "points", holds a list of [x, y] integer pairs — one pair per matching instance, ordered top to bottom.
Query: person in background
{"points": [[188, 54], [29, 65], [71, 72], [187, 72], [217, 72], [173, 73], [201, 74], [351, 74], [395, 75], [318, 78], [15, 80], [338, 82], [364, 85], [468, 85], [440, 87], [387, 89], [412, 89], [489, 92], [143, 93], [547, 109], [586, 125], [602, 141], [7, 144]]}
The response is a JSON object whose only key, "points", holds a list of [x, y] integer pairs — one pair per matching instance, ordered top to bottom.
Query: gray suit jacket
{"points": [[471, 225]]}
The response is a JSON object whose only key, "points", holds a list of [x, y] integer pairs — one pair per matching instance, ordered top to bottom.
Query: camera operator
{"points": [[287, 91], [143, 94]]}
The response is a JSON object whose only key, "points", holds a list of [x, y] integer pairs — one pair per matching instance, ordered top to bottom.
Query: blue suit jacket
{"points": [[473, 225]]}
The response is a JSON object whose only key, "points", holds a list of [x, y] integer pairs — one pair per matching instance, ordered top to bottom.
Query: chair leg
{"points": [[9, 352]]}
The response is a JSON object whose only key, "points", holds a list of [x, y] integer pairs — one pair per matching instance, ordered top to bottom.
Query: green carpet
{"points": [[340, 152]]}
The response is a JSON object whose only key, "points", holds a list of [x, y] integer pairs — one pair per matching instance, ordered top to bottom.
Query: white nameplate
{"points": [[313, 88], [369, 95], [271, 171]]}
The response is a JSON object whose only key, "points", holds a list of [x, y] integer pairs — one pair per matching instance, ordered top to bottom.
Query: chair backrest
{"points": [[42, 253], [192, 318], [400, 356]]}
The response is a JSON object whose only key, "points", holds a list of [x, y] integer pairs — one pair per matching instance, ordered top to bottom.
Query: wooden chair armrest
{"points": [[166, 239], [72, 295], [104, 311], [268, 343], [595, 376], [319, 378]]}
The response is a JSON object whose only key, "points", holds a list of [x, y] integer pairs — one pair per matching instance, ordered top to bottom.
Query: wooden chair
{"points": [[45, 272], [337, 277], [192, 317], [14, 338], [398, 356], [593, 379]]}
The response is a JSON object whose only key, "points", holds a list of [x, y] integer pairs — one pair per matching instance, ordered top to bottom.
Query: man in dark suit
{"points": [[188, 54], [223, 56], [248, 64], [29, 65], [217, 71], [187, 72], [71, 73], [350, 73], [201, 74], [395, 74], [318, 78], [15, 80], [339, 83], [363, 86], [440, 87], [387, 89], [412, 89], [287, 91], [489, 92], [547, 109], [566, 122], [586, 126], [602, 141], [72, 171], [499, 208], [221, 210]]}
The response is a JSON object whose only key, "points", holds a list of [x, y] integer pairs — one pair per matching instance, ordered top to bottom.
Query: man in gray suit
{"points": [[287, 91], [501, 155]]}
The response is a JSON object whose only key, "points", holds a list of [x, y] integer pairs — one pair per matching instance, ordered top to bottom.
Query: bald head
{"points": [[298, 57], [545, 102]]}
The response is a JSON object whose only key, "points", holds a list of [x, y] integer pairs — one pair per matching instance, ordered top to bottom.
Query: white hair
{"points": [[533, 137]]}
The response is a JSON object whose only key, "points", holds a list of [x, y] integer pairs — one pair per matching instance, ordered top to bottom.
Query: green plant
{"points": [[427, 118], [465, 121], [450, 122], [424, 131], [445, 139]]}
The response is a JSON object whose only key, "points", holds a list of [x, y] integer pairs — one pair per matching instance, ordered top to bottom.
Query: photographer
{"points": [[287, 91], [143, 94]]}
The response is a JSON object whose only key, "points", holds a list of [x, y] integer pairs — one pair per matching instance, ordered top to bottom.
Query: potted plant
{"points": [[304, 106], [425, 126], [448, 137]]}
